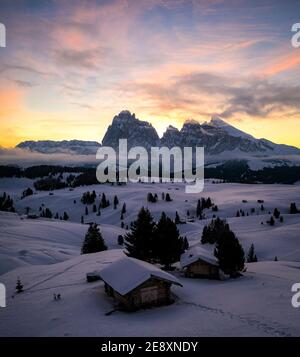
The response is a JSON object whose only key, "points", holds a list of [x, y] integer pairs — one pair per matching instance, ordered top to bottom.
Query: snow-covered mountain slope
{"points": [[218, 137], [74, 147], [18, 235], [26, 242], [258, 304]]}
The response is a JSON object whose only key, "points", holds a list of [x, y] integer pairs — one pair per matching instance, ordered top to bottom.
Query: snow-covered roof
{"points": [[196, 253], [126, 274]]}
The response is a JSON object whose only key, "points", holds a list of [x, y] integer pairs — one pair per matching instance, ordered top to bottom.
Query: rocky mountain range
{"points": [[216, 136]]}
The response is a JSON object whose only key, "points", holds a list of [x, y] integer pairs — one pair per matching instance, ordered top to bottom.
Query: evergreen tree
{"points": [[163, 196], [150, 197], [168, 197], [104, 202], [116, 202], [94, 208], [215, 208], [262, 208], [293, 208], [86, 210], [199, 210], [123, 211], [188, 213], [276, 213], [237, 214], [56, 215], [65, 216], [177, 218], [281, 219], [82, 220], [271, 221], [122, 224], [212, 233], [120, 240], [93, 241], [139, 241], [168, 244], [230, 254], [251, 257], [19, 286]]}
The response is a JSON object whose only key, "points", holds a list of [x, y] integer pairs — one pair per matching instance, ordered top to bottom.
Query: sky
{"points": [[70, 66]]}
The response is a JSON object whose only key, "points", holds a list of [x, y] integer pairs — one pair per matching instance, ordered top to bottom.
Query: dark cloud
{"points": [[255, 97]]}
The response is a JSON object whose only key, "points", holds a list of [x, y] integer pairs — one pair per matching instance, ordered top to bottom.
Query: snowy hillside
{"points": [[45, 255], [259, 304]]}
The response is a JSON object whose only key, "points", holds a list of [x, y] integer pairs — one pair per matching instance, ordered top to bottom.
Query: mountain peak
{"points": [[124, 115], [191, 121], [217, 121]]}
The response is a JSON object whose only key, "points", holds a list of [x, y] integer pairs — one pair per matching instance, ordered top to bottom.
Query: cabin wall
{"points": [[202, 269], [151, 293]]}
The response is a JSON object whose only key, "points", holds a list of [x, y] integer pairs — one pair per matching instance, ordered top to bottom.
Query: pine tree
{"points": [[163, 196], [168, 197], [104, 202], [116, 202], [262, 208], [293, 208], [86, 210], [199, 210], [123, 211], [188, 213], [276, 213], [237, 214], [56, 215], [65, 216], [177, 218], [82, 220], [271, 221], [212, 233], [120, 240], [93, 241], [138, 242], [168, 244], [230, 254], [251, 257], [19, 286]]}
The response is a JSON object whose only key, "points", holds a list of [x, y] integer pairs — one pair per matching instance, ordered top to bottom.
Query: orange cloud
{"points": [[284, 64]]}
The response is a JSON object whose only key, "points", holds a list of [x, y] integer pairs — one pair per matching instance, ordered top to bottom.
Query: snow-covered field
{"points": [[45, 254], [259, 304]]}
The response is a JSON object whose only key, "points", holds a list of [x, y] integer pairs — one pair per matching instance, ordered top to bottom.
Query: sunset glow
{"points": [[69, 67]]}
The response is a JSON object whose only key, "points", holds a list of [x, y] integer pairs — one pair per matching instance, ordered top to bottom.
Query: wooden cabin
{"points": [[197, 262], [135, 284]]}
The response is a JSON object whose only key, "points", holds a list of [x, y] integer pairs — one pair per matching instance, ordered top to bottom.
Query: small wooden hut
{"points": [[199, 263], [136, 284]]}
